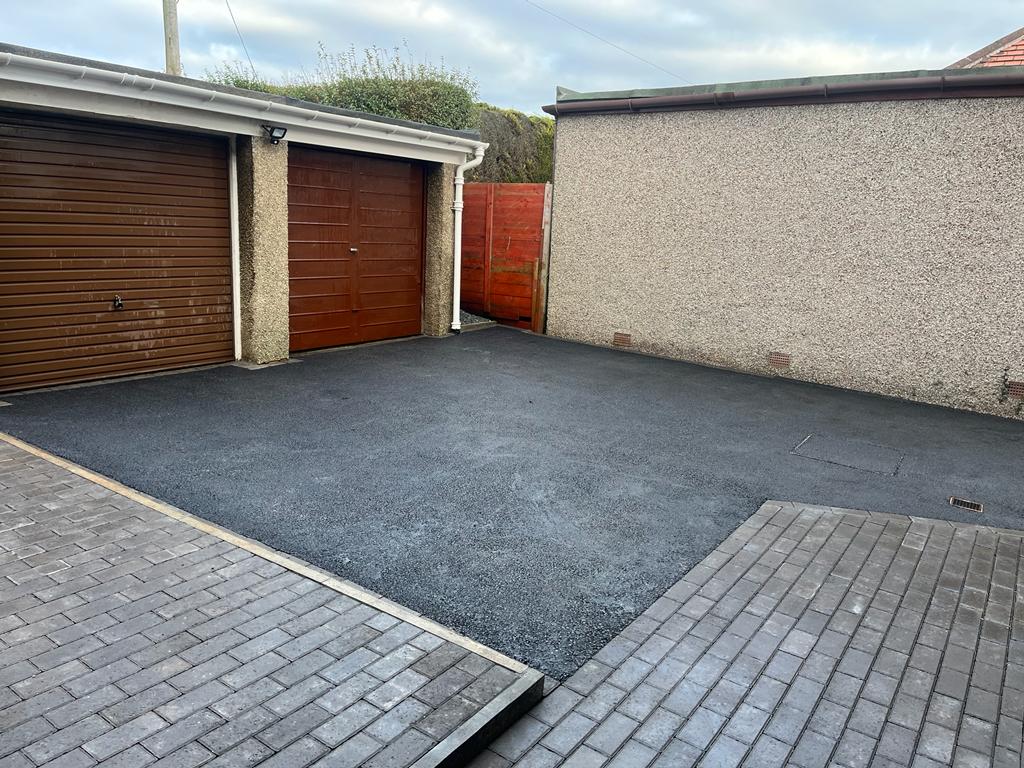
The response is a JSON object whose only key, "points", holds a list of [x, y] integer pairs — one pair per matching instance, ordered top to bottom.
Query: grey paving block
{"points": [[395, 661], [349, 665], [303, 667], [248, 673], [150, 676], [588, 677], [44, 681], [445, 685], [396, 689], [297, 696], [341, 696], [246, 698], [194, 700], [144, 701], [601, 701], [556, 705], [84, 706], [396, 721], [442, 721], [347, 723], [182, 732], [569, 733], [612, 733], [124, 736], [14, 737], [520, 737], [67, 739], [404, 751], [351, 754], [678, 754], [245, 755], [297, 755]]}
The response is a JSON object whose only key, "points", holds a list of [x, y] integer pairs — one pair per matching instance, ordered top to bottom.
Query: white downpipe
{"points": [[460, 180], [236, 261]]}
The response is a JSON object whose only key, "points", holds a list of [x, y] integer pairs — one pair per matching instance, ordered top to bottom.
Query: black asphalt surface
{"points": [[532, 493]]}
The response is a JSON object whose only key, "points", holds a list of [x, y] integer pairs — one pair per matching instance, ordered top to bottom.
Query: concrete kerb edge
{"points": [[882, 517], [295, 565], [470, 738]]}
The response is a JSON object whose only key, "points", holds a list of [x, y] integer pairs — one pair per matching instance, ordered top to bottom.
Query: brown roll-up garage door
{"points": [[115, 250], [355, 250]]}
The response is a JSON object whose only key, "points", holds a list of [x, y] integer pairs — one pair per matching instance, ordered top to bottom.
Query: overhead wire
{"points": [[596, 36], [241, 39]]}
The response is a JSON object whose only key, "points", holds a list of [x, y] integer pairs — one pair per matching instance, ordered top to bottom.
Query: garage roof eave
{"points": [[52, 81], [882, 86]]}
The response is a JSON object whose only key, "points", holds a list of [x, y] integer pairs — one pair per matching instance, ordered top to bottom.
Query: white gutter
{"points": [[306, 121], [457, 206], [236, 261]]}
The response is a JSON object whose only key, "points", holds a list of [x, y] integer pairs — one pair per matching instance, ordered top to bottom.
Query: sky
{"points": [[518, 53]]}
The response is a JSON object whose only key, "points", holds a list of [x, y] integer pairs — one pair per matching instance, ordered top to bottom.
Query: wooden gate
{"points": [[504, 252]]}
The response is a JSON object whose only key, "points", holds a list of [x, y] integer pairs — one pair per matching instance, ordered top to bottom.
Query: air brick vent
{"points": [[620, 339], [780, 359], [1015, 389]]}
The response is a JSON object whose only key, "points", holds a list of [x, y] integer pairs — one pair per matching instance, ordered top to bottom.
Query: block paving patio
{"points": [[811, 637], [130, 638]]}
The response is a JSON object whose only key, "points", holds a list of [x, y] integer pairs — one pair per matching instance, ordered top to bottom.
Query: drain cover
{"points": [[846, 452], [970, 506]]}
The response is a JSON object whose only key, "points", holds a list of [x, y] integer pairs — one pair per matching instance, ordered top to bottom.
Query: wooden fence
{"points": [[504, 252]]}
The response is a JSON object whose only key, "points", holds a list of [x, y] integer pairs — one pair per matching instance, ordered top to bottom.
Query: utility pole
{"points": [[172, 54]]}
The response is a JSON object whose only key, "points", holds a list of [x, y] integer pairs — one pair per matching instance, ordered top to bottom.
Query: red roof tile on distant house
{"points": [[1005, 52], [1010, 56]]}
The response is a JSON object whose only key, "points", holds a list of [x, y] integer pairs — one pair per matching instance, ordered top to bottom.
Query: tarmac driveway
{"points": [[534, 494]]}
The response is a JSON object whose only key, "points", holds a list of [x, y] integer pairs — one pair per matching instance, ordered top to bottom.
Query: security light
{"points": [[274, 132]]}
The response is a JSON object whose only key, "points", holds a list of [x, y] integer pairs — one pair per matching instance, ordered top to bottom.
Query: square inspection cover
{"points": [[847, 452]]}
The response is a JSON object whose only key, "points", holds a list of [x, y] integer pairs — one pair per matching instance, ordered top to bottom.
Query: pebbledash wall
{"points": [[878, 243]]}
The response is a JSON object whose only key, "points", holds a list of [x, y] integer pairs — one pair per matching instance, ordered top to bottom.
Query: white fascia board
{"points": [[29, 82]]}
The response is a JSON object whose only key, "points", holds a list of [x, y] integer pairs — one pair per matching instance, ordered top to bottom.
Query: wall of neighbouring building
{"points": [[879, 244]]}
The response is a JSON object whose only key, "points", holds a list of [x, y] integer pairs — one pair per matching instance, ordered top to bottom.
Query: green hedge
{"points": [[375, 80], [384, 82], [521, 146]]}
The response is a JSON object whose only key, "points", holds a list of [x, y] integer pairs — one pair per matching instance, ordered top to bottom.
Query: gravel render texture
{"points": [[534, 494]]}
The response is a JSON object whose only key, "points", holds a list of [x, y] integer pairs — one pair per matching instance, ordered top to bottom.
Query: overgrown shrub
{"points": [[375, 80], [386, 82], [521, 145]]}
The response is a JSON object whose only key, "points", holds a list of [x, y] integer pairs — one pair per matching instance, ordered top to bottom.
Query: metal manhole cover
{"points": [[847, 452]]}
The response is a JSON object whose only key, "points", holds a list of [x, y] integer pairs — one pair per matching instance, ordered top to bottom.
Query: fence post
{"points": [[488, 254], [540, 286]]}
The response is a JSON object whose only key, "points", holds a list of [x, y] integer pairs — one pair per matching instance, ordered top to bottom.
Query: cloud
{"points": [[519, 53]]}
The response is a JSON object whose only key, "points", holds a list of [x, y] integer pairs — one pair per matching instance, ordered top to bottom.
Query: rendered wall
{"points": [[880, 244], [263, 246], [438, 259]]}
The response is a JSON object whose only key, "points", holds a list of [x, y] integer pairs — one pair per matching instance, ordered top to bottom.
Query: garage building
{"points": [[151, 222]]}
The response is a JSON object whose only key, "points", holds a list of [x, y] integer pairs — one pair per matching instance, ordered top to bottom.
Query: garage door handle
{"points": [[353, 250]]}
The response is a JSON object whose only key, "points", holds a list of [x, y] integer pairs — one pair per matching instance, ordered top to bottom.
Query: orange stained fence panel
{"points": [[504, 252]]}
